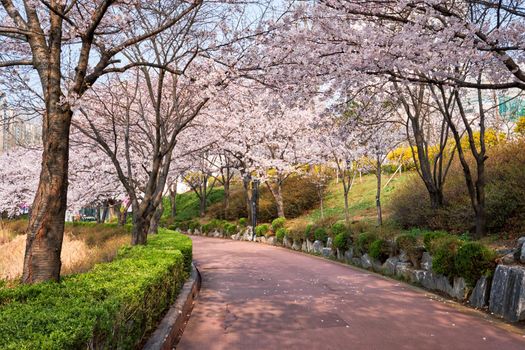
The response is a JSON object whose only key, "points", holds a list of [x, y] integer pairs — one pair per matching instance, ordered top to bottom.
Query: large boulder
{"points": [[271, 240], [287, 242], [329, 242], [296, 245], [304, 246], [309, 246], [317, 247], [521, 249], [327, 252], [349, 254], [340, 255], [403, 256], [366, 261], [426, 261], [389, 267], [403, 270], [460, 289], [507, 294], [480, 295]]}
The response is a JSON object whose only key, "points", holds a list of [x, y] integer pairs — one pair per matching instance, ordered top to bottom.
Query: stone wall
{"points": [[503, 295]]}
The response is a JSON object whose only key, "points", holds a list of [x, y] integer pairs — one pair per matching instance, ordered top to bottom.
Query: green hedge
{"points": [[115, 305]]}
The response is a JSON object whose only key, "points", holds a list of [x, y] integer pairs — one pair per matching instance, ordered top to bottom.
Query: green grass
{"points": [[361, 198], [188, 204], [112, 306]]}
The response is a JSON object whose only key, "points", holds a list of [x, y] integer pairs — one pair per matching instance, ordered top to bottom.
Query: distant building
{"points": [[15, 131]]}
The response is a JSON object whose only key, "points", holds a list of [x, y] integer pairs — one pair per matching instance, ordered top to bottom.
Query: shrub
{"points": [[505, 196], [243, 222], [278, 223], [192, 225], [230, 228], [338, 228], [262, 230], [309, 232], [280, 234], [320, 234], [430, 236], [342, 241], [363, 242], [408, 242], [379, 250], [444, 251], [474, 260], [112, 306]]}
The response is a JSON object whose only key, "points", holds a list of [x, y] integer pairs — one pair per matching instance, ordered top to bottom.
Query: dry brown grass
{"points": [[83, 247]]}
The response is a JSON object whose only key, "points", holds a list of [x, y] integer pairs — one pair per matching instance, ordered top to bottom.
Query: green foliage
{"points": [[188, 204], [243, 222], [278, 223], [192, 225], [230, 228], [338, 228], [262, 230], [309, 232], [280, 234], [320, 234], [431, 236], [342, 241], [363, 242], [379, 250], [444, 251], [474, 260], [112, 306]]}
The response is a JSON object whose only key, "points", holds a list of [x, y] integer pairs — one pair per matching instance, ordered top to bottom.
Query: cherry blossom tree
{"points": [[68, 46]]}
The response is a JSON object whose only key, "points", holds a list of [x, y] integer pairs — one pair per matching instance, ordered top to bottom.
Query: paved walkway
{"points": [[256, 296]]}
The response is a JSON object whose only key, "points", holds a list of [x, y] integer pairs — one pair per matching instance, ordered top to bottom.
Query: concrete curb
{"points": [[170, 329]]}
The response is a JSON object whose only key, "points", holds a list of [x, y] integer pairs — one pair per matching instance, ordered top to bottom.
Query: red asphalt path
{"points": [[256, 296]]}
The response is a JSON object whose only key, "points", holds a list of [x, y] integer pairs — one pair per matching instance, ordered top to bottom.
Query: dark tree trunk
{"points": [[277, 193], [247, 195], [226, 199], [347, 209], [105, 212], [155, 219], [45, 231]]}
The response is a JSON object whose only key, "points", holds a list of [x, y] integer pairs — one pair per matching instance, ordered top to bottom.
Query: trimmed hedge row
{"points": [[115, 305]]}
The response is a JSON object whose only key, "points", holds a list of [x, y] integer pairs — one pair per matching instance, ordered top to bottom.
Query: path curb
{"points": [[170, 329]]}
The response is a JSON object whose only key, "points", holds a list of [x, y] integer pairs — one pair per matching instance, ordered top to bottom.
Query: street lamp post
{"points": [[255, 200]]}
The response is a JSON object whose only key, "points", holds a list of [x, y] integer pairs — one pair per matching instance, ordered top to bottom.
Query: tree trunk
{"points": [[277, 193], [378, 194], [247, 195], [226, 199], [173, 201], [347, 209], [105, 212], [155, 219], [45, 231], [139, 231]]}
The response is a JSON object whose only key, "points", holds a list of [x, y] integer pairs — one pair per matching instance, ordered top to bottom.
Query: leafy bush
{"points": [[243, 222], [278, 223], [192, 225], [230, 228], [338, 228], [262, 230], [309, 232], [280, 234], [320, 234], [430, 236], [342, 241], [363, 242], [408, 242], [379, 250], [444, 251], [474, 260], [112, 306]]}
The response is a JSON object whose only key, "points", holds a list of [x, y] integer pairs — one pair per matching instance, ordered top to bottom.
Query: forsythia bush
{"points": [[112, 306]]}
